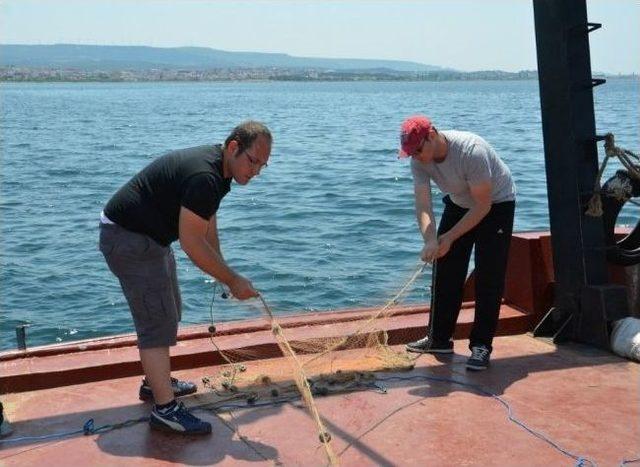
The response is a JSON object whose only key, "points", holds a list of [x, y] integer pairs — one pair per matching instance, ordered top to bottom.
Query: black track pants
{"points": [[491, 238]]}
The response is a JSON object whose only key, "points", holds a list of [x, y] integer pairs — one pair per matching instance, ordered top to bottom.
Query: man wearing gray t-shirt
{"points": [[479, 210]]}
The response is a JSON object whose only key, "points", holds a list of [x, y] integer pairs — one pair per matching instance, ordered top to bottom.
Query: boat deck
{"points": [[583, 399]]}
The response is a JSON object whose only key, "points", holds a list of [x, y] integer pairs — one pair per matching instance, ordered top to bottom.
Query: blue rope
{"points": [[88, 428], [45, 437], [580, 461], [630, 461]]}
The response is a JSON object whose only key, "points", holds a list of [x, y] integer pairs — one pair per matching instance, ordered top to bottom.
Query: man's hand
{"points": [[444, 245], [429, 251], [242, 289]]}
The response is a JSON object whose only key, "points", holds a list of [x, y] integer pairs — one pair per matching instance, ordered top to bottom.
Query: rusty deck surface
{"points": [[585, 400]]}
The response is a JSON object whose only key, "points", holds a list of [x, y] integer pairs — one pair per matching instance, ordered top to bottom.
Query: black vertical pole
{"points": [[571, 160]]}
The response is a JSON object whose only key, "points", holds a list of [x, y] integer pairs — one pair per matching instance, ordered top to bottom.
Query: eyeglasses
{"points": [[255, 162]]}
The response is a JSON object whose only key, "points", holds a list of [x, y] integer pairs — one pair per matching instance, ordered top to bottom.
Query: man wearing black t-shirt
{"points": [[175, 198]]}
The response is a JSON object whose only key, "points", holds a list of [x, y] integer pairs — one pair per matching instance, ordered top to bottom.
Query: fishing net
{"points": [[344, 358]]}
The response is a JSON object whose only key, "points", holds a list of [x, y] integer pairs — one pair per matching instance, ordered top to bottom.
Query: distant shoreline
{"points": [[110, 63], [49, 75]]}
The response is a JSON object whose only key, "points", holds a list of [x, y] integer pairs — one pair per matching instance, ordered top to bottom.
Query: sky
{"points": [[465, 35]]}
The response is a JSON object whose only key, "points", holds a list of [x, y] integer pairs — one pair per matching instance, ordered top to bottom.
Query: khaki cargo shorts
{"points": [[147, 273]]}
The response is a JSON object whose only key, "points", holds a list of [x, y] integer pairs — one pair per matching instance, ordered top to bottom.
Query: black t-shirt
{"points": [[150, 202]]}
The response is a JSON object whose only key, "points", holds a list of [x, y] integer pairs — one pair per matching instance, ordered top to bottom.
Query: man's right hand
{"points": [[429, 251], [242, 289]]}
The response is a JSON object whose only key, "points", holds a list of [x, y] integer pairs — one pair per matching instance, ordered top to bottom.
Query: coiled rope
{"points": [[629, 160]]}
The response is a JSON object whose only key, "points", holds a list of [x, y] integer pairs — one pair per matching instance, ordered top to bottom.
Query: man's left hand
{"points": [[444, 245]]}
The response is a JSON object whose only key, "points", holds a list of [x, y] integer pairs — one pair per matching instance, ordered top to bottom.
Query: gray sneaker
{"points": [[428, 345], [479, 359], [180, 388]]}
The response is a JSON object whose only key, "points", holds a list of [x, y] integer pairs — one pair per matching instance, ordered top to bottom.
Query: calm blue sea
{"points": [[328, 225]]}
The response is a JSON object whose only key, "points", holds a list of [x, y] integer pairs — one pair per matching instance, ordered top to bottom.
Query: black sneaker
{"points": [[428, 345], [479, 359], [180, 388], [178, 420]]}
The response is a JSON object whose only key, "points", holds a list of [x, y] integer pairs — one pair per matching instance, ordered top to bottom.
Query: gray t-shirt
{"points": [[470, 160]]}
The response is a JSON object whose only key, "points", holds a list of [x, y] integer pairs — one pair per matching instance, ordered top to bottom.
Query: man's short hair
{"points": [[246, 133]]}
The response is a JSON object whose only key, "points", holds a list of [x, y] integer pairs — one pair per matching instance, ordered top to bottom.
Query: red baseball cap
{"points": [[412, 132]]}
